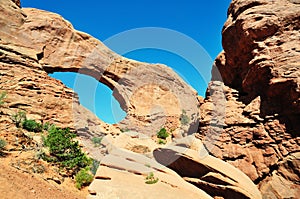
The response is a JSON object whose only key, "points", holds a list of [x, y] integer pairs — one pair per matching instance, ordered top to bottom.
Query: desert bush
{"points": [[2, 97], [18, 118], [184, 119], [32, 125], [46, 126], [124, 130], [162, 133], [96, 141], [161, 141], [2, 144], [65, 151], [40, 154], [148, 165], [94, 166], [38, 168], [83, 178], [150, 179]]}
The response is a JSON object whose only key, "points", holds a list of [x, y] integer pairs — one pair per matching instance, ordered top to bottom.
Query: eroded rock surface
{"points": [[34, 43], [261, 56], [152, 99], [258, 129], [122, 174], [210, 174], [282, 181]]}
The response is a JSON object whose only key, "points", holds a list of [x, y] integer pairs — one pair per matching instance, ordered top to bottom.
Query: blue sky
{"points": [[202, 21]]}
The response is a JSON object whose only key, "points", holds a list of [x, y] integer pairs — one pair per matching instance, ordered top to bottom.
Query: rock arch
{"points": [[60, 48]]}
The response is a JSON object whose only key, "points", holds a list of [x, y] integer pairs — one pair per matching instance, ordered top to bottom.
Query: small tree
{"points": [[65, 151]]}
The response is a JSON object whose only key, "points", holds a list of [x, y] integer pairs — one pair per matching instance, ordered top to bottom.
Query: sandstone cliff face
{"points": [[261, 52], [260, 67]]}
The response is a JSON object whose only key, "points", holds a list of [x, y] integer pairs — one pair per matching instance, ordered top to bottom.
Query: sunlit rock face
{"points": [[260, 69], [153, 95]]}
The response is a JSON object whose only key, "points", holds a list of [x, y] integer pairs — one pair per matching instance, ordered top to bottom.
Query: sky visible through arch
{"points": [[198, 19]]}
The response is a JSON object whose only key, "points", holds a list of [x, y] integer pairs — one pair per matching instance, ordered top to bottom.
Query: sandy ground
{"points": [[17, 184]]}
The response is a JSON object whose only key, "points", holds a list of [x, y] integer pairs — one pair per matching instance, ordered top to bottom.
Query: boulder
{"points": [[210, 174]]}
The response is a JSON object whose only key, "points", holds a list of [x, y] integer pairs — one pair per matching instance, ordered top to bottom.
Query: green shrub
{"points": [[2, 97], [18, 118], [184, 119], [32, 125], [46, 126], [51, 127], [124, 130], [162, 133], [97, 141], [160, 141], [2, 144], [65, 151], [148, 165], [94, 166], [83, 178], [150, 179]]}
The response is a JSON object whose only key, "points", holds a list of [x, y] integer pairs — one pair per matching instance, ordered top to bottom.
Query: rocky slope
{"points": [[260, 68], [176, 168], [23, 185]]}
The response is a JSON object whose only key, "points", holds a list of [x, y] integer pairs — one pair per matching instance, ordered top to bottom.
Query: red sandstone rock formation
{"points": [[41, 42], [260, 67], [250, 122]]}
